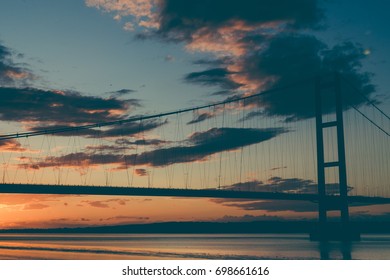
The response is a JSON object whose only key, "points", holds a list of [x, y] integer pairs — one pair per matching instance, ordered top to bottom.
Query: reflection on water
{"points": [[187, 246], [345, 248]]}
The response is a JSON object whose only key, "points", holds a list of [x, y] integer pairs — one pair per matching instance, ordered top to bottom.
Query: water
{"points": [[186, 246]]}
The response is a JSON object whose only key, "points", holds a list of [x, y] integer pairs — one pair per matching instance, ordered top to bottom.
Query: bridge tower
{"points": [[330, 88]]}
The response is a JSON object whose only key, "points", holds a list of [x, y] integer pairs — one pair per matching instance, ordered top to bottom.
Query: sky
{"points": [[71, 63]]}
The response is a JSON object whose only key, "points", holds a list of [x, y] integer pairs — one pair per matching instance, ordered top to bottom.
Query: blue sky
{"points": [[71, 46]]}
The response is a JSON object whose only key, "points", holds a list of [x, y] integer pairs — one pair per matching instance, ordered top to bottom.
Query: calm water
{"points": [[186, 246]]}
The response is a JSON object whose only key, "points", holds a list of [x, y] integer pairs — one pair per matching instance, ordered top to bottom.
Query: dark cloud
{"points": [[180, 19], [263, 41], [255, 45], [292, 58], [10, 72], [213, 77], [124, 91], [121, 92], [59, 107], [252, 115], [201, 117], [131, 128], [120, 130], [142, 142], [203, 144], [196, 148], [107, 149], [78, 160], [278, 168], [141, 172], [277, 184], [285, 185], [267, 205], [273, 206], [298, 206], [127, 218], [248, 218]]}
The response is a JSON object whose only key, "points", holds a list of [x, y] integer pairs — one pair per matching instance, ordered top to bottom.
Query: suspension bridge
{"points": [[321, 139]]}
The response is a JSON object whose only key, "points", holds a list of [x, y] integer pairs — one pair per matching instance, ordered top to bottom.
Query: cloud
{"points": [[141, 11], [176, 16], [184, 17], [128, 26], [254, 45], [290, 58], [283, 60], [10, 72], [213, 77], [121, 92], [21, 102], [59, 107], [251, 115], [201, 117], [132, 128], [120, 130], [142, 142], [203, 144], [11, 145], [197, 147], [107, 148], [77, 160], [278, 168], [141, 172], [281, 185], [284, 185], [17, 199], [105, 203], [98, 204], [35, 206], [272, 206], [298, 206], [127, 218], [248, 218], [51, 223]]}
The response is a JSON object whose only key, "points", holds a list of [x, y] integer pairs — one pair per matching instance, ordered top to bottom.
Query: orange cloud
{"points": [[141, 10], [17, 75], [11, 145], [18, 199], [35, 206]]}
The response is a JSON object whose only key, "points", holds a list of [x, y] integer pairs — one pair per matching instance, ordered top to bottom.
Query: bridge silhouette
{"points": [[331, 148]]}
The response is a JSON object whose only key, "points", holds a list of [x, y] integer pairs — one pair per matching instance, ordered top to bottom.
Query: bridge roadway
{"points": [[209, 193]]}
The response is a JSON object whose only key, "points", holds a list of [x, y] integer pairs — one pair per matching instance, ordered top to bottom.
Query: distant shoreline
{"points": [[211, 228]]}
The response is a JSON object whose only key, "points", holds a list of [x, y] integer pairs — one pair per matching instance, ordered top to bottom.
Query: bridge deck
{"points": [[210, 193]]}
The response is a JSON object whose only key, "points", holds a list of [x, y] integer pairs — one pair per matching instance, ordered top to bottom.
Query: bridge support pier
{"points": [[326, 230]]}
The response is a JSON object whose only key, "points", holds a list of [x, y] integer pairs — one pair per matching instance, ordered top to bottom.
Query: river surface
{"points": [[187, 246]]}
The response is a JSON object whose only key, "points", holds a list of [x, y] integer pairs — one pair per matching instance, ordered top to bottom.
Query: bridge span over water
{"points": [[174, 192]]}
